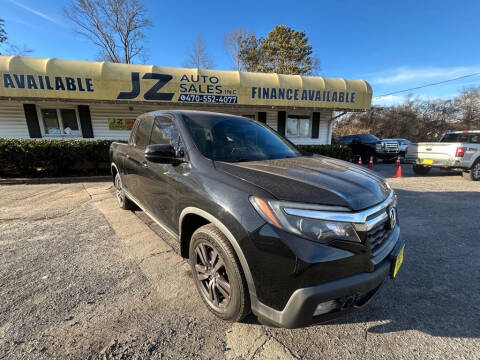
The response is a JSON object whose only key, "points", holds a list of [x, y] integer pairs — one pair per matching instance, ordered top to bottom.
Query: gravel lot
{"points": [[82, 279]]}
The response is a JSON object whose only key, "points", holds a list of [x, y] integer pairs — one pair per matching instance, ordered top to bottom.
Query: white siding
{"points": [[100, 113], [12, 120], [14, 125]]}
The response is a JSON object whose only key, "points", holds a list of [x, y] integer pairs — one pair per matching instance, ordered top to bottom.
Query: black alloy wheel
{"points": [[124, 202], [218, 275], [213, 276]]}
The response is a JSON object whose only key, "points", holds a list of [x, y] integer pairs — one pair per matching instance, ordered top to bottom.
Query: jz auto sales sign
{"points": [[64, 79]]}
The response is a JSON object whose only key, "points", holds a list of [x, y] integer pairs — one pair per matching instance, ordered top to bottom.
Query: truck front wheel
{"points": [[420, 169], [218, 275]]}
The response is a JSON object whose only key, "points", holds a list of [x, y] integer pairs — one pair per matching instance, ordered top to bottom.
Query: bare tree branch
{"points": [[116, 27], [233, 44], [18, 50], [197, 56], [416, 119]]}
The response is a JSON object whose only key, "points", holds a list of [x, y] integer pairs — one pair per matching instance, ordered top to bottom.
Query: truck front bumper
{"points": [[386, 155], [347, 294]]}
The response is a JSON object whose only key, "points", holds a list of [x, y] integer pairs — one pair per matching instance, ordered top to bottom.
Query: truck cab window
{"points": [[165, 132], [142, 133]]}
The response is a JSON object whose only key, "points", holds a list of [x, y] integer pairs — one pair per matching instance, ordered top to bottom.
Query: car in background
{"points": [[361, 144], [403, 146], [390, 149], [455, 150]]}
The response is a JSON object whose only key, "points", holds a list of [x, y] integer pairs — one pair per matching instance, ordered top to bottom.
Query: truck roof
{"points": [[463, 131]]}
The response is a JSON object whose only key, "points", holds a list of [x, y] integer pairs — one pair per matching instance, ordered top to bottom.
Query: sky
{"points": [[394, 45]]}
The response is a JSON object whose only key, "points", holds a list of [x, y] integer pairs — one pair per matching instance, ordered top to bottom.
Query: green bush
{"points": [[341, 152], [53, 158]]}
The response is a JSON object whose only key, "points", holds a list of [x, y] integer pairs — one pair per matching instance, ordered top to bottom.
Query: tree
{"points": [[116, 27], [3, 33], [233, 44], [10, 48], [18, 50], [284, 51], [250, 54], [197, 56], [468, 104], [416, 119]]}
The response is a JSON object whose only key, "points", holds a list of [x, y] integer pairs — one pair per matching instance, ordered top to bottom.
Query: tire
{"points": [[420, 169], [474, 173], [124, 202], [215, 265]]}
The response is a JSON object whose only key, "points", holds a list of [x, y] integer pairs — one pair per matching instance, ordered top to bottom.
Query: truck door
{"points": [[356, 145], [135, 162], [162, 180]]}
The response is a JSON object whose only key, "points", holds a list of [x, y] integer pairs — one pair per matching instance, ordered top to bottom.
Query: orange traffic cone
{"points": [[360, 161], [370, 163], [397, 163], [399, 172]]}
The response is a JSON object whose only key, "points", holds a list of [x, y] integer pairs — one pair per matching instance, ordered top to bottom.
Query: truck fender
{"points": [[112, 167], [231, 239]]}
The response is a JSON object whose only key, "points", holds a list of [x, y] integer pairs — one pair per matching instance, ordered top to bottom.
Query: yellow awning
{"points": [[48, 78]]}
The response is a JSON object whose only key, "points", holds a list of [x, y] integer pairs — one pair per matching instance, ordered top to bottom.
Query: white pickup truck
{"points": [[455, 150]]}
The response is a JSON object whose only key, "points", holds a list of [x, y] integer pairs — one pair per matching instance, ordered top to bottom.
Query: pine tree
{"points": [[284, 51]]}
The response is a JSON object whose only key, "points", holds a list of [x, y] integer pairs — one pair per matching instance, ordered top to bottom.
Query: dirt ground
{"points": [[82, 279]]}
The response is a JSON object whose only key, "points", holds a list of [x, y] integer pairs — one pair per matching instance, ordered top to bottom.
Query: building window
{"points": [[60, 122], [298, 126]]}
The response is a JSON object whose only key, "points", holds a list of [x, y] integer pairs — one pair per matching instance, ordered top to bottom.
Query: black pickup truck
{"points": [[293, 237]]}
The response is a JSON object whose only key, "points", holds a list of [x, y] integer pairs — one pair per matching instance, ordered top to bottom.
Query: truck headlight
{"points": [[318, 230]]}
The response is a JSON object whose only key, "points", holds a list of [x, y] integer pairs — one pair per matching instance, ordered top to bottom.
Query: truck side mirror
{"points": [[162, 154]]}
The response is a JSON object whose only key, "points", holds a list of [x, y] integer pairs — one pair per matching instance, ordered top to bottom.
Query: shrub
{"points": [[337, 151], [46, 157], [53, 158]]}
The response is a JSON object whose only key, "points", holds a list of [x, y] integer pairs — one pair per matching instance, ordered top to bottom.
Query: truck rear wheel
{"points": [[420, 169], [474, 173], [124, 202], [218, 275]]}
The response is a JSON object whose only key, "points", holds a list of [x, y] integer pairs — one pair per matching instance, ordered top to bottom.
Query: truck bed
{"points": [[438, 154]]}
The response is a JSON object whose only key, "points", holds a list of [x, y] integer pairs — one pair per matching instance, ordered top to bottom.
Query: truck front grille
{"points": [[391, 146], [377, 236]]}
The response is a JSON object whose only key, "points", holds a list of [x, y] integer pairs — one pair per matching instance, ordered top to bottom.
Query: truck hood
{"points": [[312, 179]]}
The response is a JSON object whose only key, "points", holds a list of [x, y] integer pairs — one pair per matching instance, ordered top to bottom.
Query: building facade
{"points": [[63, 99]]}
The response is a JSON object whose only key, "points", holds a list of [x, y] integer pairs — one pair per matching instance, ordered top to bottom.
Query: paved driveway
{"points": [[80, 278]]}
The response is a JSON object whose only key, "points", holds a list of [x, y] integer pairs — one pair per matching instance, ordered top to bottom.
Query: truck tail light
{"points": [[406, 150], [460, 152]]}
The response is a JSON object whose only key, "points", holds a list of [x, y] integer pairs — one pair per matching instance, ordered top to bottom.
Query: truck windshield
{"points": [[369, 138], [235, 139]]}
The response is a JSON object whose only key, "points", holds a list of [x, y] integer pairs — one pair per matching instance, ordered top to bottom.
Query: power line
{"points": [[426, 85]]}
